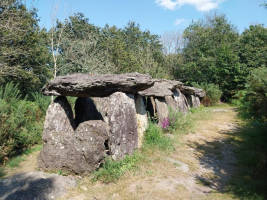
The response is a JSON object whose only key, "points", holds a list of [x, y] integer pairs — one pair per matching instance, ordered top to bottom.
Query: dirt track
{"points": [[199, 169]]}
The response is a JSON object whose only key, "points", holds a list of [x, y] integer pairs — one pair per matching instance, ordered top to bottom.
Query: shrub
{"points": [[213, 93], [254, 102], [21, 121]]}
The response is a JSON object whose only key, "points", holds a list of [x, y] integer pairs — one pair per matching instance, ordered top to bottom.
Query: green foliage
{"points": [[253, 47], [133, 50], [23, 53], [211, 54], [213, 93], [40, 100], [254, 101], [21, 121], [180, 123], [154, 138], [113, 170]]}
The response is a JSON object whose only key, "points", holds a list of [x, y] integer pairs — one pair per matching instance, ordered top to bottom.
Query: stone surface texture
{"points": [[88, 85], [161, 88], [193, 91], [181, 100], [193, 101], [172, 103], [102, 106], [161, 108], [59, 117], [142, 120], [123, 125], [79, 152]]}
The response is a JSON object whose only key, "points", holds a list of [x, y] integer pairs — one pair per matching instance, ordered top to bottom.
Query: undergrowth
{"points": [[21, 120], [156, 139], [113, 170], [250, 179]]}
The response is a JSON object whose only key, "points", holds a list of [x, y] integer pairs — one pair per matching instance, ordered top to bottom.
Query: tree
{"points": [[172, 42], [253, 47], [81, 50], [134, 50], [211, 53], [23, 54]]}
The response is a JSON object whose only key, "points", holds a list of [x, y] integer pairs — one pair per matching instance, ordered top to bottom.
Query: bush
{"points": [[213, 93], [254, 102], [21, 121]]}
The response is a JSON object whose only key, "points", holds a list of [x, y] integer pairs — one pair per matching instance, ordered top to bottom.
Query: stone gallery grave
{"points": [[110, 117]]}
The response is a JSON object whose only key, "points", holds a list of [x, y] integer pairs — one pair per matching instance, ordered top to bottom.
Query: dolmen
{"points": [[109, 118]]}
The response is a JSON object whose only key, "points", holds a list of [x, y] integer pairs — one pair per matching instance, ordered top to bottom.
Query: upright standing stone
{"points": [[181, 101], [193, 101], [171, 102], [102, 106], [151, 107], [162, 108], [59, 117], [142, 120], [123, 125], [79, 152]]}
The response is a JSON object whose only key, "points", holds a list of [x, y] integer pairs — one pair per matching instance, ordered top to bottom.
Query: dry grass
{"points": [[157, 178]]}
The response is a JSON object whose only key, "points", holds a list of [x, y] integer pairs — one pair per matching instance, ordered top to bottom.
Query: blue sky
{"points": [[157, 16]]}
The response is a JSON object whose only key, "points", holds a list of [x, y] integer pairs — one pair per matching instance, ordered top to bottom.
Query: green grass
{"points": [[155, 140], [15, 161], [113, 170], [2, 173], [250, 178]]}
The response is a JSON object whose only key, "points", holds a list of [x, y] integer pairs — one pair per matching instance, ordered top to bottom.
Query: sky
{"points": [[157, 16]]}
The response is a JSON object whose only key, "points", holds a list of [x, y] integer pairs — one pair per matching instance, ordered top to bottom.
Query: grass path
{"points": [[199, 168]]}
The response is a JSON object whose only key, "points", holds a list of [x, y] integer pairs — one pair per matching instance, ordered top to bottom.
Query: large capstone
{"points": [[89, 85], [161, 88], [193, 91], [142, 120]]}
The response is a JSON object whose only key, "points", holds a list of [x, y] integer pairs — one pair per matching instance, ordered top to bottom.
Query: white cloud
{"points": [[201, 5], [179, 21]]}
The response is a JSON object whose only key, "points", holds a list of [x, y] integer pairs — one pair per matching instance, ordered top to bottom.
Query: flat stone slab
{"points": [[89, 85], [161, 88], [193, 91], [35, 185]]}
